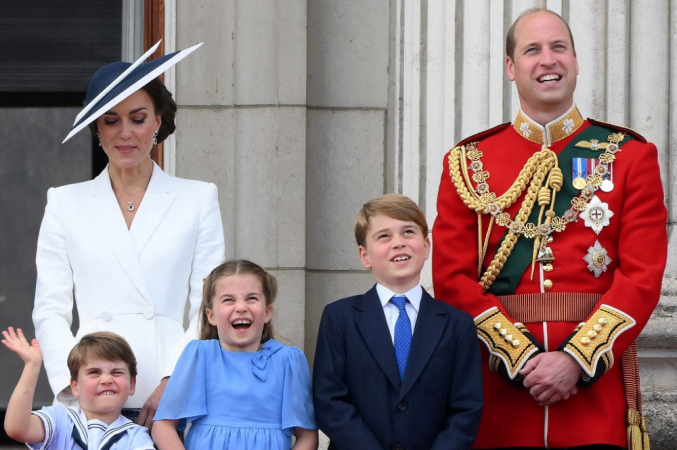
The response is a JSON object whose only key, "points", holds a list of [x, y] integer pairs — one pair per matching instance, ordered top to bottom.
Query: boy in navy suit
{"points": [[395, 368]]}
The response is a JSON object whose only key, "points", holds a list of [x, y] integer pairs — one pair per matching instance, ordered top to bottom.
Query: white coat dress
{"points": [[135, 282]]}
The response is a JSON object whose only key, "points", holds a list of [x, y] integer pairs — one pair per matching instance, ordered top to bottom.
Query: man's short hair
{"points": [[510, 37], [396, 206], [103, 345]]}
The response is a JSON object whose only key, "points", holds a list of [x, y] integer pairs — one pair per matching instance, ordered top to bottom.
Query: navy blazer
{"points": [[360, 401]]}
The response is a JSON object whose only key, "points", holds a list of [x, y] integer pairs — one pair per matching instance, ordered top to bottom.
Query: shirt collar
{"points": [[554, 131], [413, 295], [82, 427]]}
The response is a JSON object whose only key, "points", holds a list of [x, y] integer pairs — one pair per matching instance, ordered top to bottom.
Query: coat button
{"points": [[547, 267], [547, 284], [148, 313], [106, 316], [402, 406]]}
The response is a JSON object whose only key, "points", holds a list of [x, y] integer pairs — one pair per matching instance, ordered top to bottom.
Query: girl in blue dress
{"points": [[240, 388]]}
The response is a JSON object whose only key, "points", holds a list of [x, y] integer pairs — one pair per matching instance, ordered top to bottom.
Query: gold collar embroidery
{"points": [[552, 132]]}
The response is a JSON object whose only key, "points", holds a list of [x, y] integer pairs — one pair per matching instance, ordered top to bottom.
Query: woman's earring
{"points": [[99, 136], [155, 138]]}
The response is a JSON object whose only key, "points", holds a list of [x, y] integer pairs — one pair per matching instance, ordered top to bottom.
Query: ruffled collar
{"points": [[552, 132]]}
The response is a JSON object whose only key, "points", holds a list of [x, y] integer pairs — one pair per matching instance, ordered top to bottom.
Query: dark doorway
{"points": [[48, 52]]}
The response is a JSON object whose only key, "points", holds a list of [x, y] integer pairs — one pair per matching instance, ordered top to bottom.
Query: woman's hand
{"points": [[16, 342], [148, 410]]}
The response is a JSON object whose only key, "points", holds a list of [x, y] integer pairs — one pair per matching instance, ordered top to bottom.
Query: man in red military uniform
{"points": [[551, 232]]}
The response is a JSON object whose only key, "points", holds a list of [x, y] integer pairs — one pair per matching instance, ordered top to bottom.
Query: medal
{"points": [[580, 171], [605, 171], [579, 183], [596, 214], [597, 259]]}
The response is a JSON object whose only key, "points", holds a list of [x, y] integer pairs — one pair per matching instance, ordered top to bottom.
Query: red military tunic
{"points": [[635, 240]]}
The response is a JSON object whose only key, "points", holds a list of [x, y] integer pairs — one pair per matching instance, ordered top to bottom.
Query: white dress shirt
{"points": [[392, 312]]}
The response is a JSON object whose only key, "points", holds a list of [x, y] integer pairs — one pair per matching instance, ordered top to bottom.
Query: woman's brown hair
{"points": [[236, 267]]}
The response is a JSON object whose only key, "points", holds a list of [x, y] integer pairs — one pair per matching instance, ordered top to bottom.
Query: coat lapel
{"points": [[153, 208], [106, 213], [372, 324], [430, 324]]}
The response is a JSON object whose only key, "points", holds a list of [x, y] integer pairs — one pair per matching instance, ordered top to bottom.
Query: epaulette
{"points": [[626, 130], [484, 134]]}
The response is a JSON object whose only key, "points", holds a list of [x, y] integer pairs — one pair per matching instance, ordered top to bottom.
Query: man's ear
{"points": [[509, 68]]}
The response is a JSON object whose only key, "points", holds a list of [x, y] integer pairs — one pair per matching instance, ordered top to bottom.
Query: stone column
{"points": [[348, 57], [242, 125]]}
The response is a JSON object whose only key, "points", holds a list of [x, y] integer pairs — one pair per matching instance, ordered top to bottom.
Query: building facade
{"points": [[302, 110]]}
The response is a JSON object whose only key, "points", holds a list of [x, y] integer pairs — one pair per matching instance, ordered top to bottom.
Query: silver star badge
{"points": [[596, 214], [597, 259]]}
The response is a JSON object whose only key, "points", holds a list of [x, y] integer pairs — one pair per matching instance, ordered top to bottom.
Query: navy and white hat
{"points": [[114, 82]]}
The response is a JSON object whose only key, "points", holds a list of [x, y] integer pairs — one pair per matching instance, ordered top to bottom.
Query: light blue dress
{"points": [[239, 400]]}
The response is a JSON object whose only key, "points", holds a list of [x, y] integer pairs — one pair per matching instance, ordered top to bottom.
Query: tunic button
{"points": [[547, 267], [547, 284], [148, 313], [106, 316], [402, 406]]}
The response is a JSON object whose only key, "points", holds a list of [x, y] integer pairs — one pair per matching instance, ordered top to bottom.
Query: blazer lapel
{"points": [[153, 208], [106, 213], [372, 324], [430, 324]]}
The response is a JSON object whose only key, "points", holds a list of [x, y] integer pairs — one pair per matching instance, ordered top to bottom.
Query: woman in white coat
{"points": [[130, 247]]}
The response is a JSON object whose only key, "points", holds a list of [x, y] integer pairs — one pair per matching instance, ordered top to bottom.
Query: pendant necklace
{"points": [[130, 203]]}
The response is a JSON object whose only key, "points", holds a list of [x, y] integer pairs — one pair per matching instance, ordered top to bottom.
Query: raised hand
{"points": [[16, 342]]}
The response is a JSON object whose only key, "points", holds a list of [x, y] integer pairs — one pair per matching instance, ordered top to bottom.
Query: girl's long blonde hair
{"points": [[236, 267]]}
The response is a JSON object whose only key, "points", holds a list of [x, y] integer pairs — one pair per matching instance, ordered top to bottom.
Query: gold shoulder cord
{"points": [[534, 173]]}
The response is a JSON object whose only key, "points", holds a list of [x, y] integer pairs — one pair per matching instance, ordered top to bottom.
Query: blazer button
{"points": [[148, 313], [106, 316], [402, 406]]}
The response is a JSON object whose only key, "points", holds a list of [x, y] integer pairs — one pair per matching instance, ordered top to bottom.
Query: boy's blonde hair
{"points": [[395, 206], [236, 267], [103, 345]]}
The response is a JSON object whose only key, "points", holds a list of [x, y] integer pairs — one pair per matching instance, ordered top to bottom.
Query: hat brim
{"points": [[126, 85]]}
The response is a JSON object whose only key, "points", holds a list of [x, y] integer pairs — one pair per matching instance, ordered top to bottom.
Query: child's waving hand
{"points": [[16, 342]]}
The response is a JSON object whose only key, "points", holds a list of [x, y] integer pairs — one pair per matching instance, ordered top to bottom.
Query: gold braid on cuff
{"points": [[595, 338], [504, 340]]}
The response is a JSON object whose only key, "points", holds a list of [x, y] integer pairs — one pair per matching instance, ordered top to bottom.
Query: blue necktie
{"points": [[402, 334]]}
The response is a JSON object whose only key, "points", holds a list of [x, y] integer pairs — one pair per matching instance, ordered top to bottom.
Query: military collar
{"points": [[554, 131]]}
